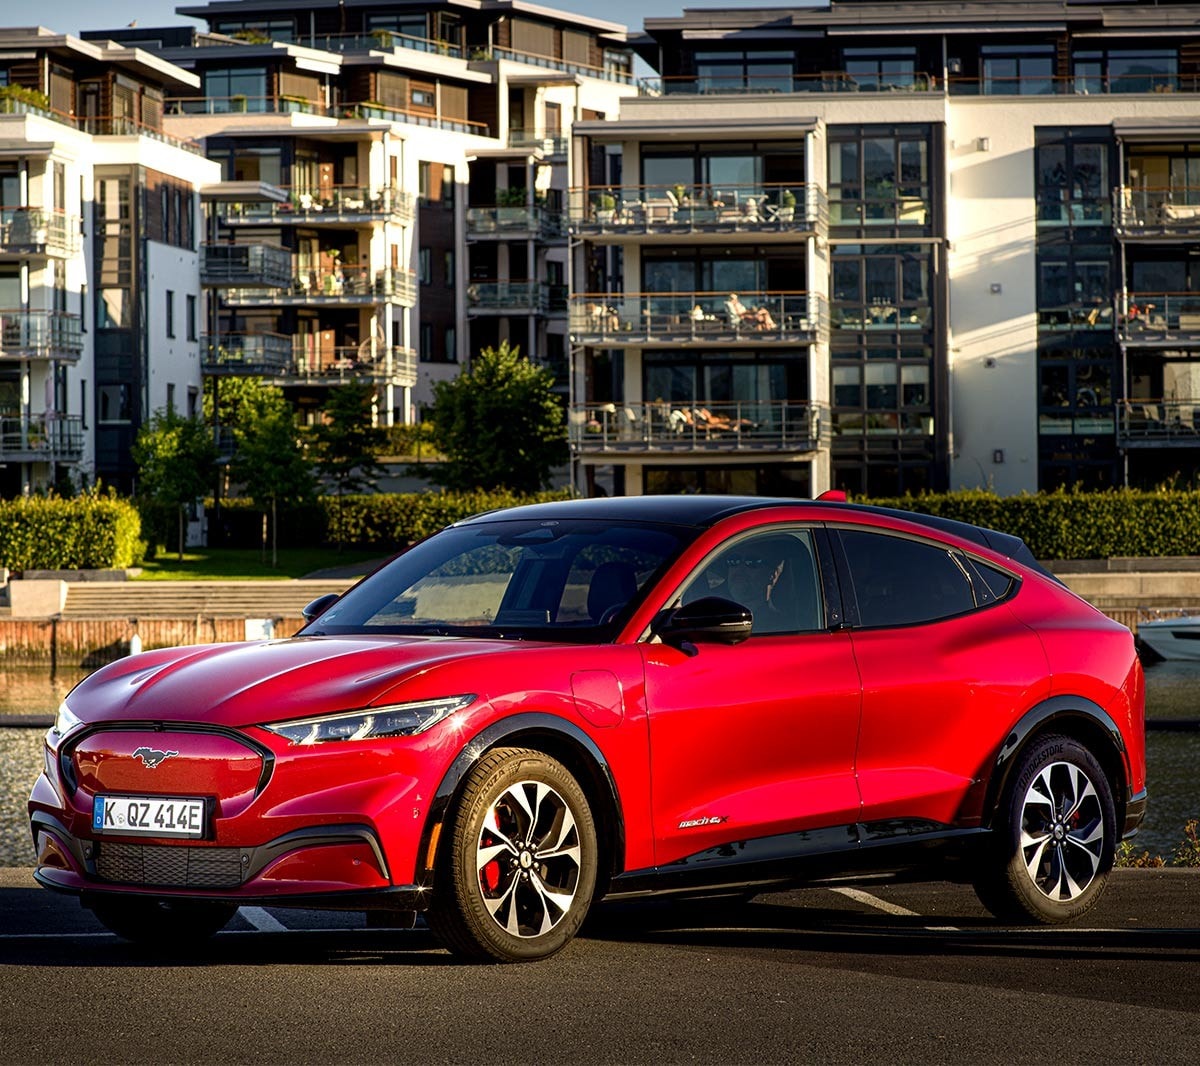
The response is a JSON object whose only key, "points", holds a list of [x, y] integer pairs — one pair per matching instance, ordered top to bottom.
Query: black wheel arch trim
{"points": [[1063, 709], [525, 727]]}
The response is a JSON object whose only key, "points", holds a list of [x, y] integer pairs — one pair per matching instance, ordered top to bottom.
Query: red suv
{"points": [[537, 708]]}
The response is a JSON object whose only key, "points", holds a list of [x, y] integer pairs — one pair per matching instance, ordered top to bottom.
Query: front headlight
{"points": [[65, 721], [372, 723]]}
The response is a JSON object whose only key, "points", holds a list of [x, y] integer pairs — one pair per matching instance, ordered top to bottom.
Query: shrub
{"points": [[1076, 524], [91, 531]]}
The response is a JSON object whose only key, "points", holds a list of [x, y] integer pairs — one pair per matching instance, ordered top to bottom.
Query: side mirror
{"points": [[320, 605], [711, 620]]}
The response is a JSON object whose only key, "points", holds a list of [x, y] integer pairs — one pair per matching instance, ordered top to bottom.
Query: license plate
{"points": [[156, 816]]}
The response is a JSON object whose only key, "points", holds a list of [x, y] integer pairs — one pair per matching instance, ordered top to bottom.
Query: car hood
{"points": [[267, 681]]}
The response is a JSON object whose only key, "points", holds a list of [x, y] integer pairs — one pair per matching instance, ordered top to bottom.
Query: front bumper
{"points": [[329, 866]]}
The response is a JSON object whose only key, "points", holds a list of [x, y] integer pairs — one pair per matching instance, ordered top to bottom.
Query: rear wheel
{"points": [[1055, 836], [519, 869], [162, 923]]}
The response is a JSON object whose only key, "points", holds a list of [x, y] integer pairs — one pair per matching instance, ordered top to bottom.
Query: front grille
{"points": [[170, 866]]}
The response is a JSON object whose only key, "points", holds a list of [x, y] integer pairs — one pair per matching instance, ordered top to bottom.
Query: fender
{"points": [[1056, 708], [530, 724]]}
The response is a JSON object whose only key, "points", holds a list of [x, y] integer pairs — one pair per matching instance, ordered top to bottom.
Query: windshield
{"points": [[558, 580]]}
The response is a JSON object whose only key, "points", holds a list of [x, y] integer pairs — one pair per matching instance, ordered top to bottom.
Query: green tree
{"points": [[242, 401], [499, 424], [347, 442], [176, 458], [269, 462]]}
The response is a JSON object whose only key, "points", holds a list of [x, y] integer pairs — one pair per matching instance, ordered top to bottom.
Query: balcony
{"points": [[379, 41], [605, 73], [828, 81], [1134, 82], [244, 105], [371, 110], [98, 125], [550, 142], [340, 205], [684, 211], [1162, 214], [514, 224], [35, 231], [248, 265], [342, 286], [507, 298], [882, 315], [1159, 319], [636, 320], [40, 335], [232, 354], [360, 362], [1158, 424], [657, 428], [41, 438]]}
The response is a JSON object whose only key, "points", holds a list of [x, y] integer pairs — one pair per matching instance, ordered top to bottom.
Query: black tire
{"points": [[1054, 836], [517, 869], [160, 923]]}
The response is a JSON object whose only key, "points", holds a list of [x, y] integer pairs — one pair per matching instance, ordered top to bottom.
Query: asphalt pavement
{"points": [[890, 974]]}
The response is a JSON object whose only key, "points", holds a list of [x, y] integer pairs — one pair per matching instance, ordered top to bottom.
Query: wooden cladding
{"points": [[533, 37], [304, 86], [391, 90]]}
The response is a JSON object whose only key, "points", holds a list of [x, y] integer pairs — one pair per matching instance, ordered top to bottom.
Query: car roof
{"points": [[702, 511]]}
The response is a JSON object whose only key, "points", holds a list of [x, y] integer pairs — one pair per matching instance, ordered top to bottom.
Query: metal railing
{"points": [[380, 41], [626, 77], [827, 81], [1072, 85], [239, 104], [370, 109], [99, 125], [550, 142], [338, 204], [622, 210], [1156, 212], [504, 222], [38, 231], [249, 265], [313, 284], [515, 297], [882, 315], [696, 317], [1074, 317], [1158, 318], [40, 334], [246, 353], [354, 362], [1155, 421], [750, 425], [41, 437]]}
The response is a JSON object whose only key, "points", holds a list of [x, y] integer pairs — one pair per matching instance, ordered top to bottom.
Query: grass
{"points": [[247, 564]]}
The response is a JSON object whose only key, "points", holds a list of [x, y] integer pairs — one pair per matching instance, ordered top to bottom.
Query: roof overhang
{"points": [[669, 129], [1156, 129], [27, 150], [256, 192]]}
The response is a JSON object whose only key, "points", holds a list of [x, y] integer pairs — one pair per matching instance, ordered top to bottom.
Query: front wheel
{"points": [[1055, 836], [519, 868], [160, 923]]}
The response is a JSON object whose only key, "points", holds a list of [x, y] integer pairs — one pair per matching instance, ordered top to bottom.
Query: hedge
{"points": [[383, 521], [1076, 524], [89, 532]]}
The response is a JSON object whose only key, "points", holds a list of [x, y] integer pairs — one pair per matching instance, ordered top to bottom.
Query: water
{"points": [[1172, 691]]}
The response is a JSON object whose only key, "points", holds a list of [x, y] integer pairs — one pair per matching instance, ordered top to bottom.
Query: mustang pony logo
{"points": [[152, 756]]}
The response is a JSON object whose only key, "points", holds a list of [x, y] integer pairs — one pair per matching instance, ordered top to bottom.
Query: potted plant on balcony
{"points": [[383, 38], [787, 205], [511, 206], [606, 208]]}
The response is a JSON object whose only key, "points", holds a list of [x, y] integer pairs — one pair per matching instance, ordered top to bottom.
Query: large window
{"points": [[277, 29], [881, 68], [1018, 70], [1142, 70], [761, 71], [236, 89], [719, 171], [879, 177], [1073, 184], [719, 271], [1075, 287], [881, 288], [756, 379], [883, 391]]}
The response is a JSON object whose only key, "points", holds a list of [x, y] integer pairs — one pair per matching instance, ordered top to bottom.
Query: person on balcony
{"points": [[752, 318]]}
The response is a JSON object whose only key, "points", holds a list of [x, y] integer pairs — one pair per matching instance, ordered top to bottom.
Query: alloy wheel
{"points": [[1062, 831]]}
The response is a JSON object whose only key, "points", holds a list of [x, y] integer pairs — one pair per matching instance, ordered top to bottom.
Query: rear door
{"points": [[946, 669], [756, 739]]}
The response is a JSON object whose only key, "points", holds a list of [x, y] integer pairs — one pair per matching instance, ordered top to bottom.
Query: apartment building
{"points": [[393, 183], [893, 246], [99, 280]]}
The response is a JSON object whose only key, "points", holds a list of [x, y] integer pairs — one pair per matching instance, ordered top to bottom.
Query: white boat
{"points": [[1176, 637]]}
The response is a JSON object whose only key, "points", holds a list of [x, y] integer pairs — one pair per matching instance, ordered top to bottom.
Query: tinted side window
{"points": [[898, 581], [996, 582]]}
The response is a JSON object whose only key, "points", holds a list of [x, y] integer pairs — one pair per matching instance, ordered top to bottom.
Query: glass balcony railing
{"points": [[379, 41], [606, 73], [829, 81], [1135, 82], [245, 105], [370, 109], [99, 125], [551, 142], [338, 205], [632, 210], [1157, 212], [506, 223], [37, 231], [249, 265], [332, 285], [507, 297], [882, 314], [1158, 318], [632, 319], [40, 334], [246, 353], [378, 362], [1155, 422], [743, 425], [41, 438]]}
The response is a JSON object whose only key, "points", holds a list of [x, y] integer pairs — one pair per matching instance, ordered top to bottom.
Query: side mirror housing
{"points": [[319, 606], [712, 620]]}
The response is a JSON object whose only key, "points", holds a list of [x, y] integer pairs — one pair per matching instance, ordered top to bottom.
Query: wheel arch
{"points": [[1070, 716], [561, 740]]}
